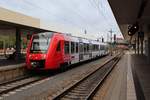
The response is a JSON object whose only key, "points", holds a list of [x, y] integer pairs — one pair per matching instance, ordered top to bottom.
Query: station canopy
{"points": [[128, 12], [11, 20]]}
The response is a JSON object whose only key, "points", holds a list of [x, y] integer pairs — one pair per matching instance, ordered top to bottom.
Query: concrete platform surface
{"points": [[8, 62], [11, 69], [141, 73], [130, 80], [119, 84]]}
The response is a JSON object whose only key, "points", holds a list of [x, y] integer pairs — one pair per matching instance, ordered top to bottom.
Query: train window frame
{"points": [[58, 47], [66, 47], [72, 47], [77, 47], [81, 47], [84, 47], [87, 47], [90, 47], [93, 47], [97, 47], [102, 47]]}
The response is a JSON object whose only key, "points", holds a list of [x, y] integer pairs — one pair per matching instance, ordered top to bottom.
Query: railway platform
{"points": [[9, 59], [5, 62], [140, 68], [11, 69], [128, 81]]}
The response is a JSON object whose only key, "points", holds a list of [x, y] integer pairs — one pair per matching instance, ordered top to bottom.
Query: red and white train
{"points": [[52, 50]]}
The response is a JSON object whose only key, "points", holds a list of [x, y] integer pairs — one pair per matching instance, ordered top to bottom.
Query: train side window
{"points": [[58, 47], [66, 47], [72, 47], [77, 47], [81, 47], [84, 47], [87, 47], [90, 47], [93, 47], [102, 47], [97, 48]]}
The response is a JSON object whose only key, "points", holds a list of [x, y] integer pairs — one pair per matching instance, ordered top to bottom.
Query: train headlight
{"points": [[30, 56], [44, 56], [33, 64]]}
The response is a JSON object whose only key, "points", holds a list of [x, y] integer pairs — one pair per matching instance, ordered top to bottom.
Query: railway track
{"points": [[13, 80], [18, 83], [85, 88]]}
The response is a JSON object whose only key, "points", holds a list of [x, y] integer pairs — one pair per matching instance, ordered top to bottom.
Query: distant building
{"points": [[121, 43]]}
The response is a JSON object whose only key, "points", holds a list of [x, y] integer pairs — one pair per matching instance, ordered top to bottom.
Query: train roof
{"points": [[69, 37], [74, 39], [84, 40], [95, 42]]}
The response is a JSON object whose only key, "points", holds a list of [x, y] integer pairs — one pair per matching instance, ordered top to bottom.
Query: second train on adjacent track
{"points": [[53, 50]]}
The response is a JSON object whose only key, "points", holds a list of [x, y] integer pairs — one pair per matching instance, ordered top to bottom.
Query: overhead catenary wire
{"points": [[97, 6], [77, 12], [50, 13], [83, 18]]}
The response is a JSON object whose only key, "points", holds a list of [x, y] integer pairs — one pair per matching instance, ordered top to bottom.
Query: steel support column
{"points": [[138, 43], [18, 44], [135, 46], [141, 46], [148, 53]]}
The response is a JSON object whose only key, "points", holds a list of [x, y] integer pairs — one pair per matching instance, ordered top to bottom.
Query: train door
{"points": [[90, 50], [100, 50], [67, 51], [77, 51], [81, 51], [86, 51], [74, 53], [58, 54]]}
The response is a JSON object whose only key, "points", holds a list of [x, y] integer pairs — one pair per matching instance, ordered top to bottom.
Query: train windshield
{"points": [[40, 42]]}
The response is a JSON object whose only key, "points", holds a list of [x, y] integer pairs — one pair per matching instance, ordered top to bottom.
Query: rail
{"points": [[87, 86]]}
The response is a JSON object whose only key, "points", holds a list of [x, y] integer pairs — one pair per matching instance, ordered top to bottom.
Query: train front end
{"points": [[37, 51]]}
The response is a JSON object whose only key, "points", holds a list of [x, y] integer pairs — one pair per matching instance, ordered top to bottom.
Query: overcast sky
{"points": [[94, 16]]}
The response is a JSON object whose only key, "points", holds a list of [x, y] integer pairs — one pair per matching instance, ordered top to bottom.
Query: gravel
{"points": [[48, 88]]}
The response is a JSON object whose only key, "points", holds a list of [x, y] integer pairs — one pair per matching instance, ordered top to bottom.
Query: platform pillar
{"points": [[138, 43], [18, 44], [135, 46], [141, 46], [148, 53]]}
